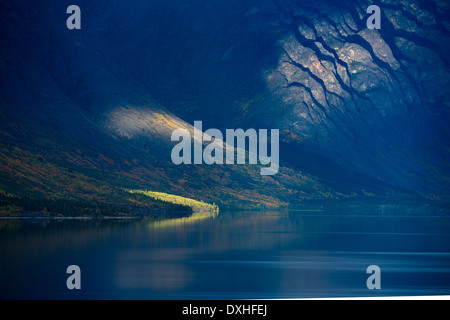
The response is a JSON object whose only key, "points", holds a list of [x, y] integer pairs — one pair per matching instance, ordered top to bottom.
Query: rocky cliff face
{"points": [[373, 99]]}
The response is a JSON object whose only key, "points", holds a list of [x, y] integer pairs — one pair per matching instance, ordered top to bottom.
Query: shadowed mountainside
{"points": [[86, 114]]}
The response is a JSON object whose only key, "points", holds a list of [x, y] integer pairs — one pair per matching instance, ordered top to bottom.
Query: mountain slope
{"points": [[374, 103], [87, 114]]}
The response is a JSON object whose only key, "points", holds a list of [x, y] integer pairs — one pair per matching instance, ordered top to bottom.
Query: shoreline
{"points": [[154, 214], [71, 218]]}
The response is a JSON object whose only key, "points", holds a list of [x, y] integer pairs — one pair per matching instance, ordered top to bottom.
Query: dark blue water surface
{"points": [[310, 252]]}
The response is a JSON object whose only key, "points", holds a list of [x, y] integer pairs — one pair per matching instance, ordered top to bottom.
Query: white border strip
{"points": [[387, 298]]}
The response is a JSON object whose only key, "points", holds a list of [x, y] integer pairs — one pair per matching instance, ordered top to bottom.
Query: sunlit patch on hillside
{"points": [[131, 122], [174, 199]]}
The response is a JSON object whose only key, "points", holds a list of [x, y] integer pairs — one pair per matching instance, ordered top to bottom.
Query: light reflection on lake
{"points": [[310, 252]]}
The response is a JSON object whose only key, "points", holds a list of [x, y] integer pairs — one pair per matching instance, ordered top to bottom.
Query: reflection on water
{"points": [[174, 222], [309, 252]]}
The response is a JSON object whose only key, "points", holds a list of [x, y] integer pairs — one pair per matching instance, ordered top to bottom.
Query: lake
{"points": [[315, 251]]}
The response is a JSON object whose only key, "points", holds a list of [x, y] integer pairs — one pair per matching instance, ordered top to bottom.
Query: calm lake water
{"points": [[312, 252]]}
